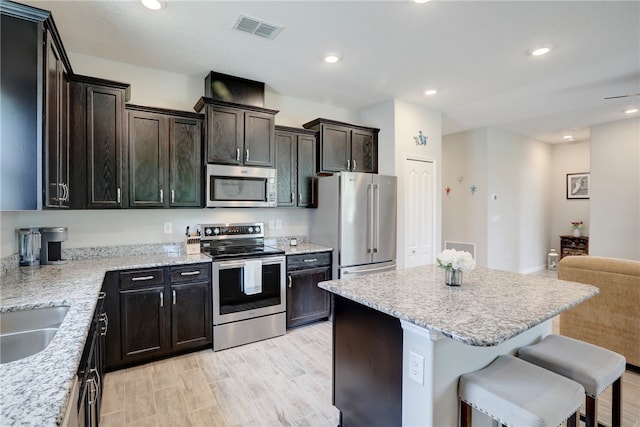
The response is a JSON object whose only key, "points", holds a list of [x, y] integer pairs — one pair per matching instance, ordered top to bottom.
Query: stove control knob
{"points": [[257, 229], [250, 230], [207, 231], [216, 231]]}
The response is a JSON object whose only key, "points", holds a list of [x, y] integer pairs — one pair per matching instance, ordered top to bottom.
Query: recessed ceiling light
{"points": [[420, 1], [154, 4], [540, 51], [331, 58], [430, 92], [631, 111], [568, 137]]}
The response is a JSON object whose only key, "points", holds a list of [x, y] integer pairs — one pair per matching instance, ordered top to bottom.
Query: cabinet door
{"points": [[105, 111], [225, 133], [259, 139], [56, 142], [334, 148], [364, 151], [147, 159], [185, 160], [286, 168], [306, 170], [306, 302], [143, 323], [191, 324]]}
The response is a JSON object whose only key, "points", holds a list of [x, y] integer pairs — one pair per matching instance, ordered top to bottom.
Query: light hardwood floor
{"points": [[284, 381]]}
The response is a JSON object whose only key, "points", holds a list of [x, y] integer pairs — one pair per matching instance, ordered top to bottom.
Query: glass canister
{"points": [[29, 239], [552, 260]]}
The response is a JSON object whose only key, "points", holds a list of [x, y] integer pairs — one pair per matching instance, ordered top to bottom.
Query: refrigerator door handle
{"points": [[376, 217], [370, 218]]}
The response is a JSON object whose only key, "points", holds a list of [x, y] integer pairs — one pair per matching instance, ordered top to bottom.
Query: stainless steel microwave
{"points": [[240, 187]]}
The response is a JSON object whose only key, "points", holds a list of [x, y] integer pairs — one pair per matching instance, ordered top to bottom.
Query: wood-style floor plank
{"points": [[284, 381]]}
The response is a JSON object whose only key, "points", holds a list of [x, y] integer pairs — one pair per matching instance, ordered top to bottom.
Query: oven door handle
{"points": [[231, 264]]}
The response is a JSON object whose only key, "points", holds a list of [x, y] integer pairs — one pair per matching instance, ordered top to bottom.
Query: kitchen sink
{"points": [[27, 332]]}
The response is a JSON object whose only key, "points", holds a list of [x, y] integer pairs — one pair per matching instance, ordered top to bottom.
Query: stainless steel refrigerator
{"points": [[356, 216]]}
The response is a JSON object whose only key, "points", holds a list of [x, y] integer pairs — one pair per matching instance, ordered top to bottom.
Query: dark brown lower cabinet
{"points": [[306, 302], [157, 312]]}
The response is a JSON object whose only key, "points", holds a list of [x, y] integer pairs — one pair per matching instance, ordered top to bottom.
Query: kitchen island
{"points": [[403, 338], [37, 390]]}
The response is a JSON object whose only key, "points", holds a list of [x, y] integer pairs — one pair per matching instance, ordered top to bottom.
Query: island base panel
{"points": [[367, 365]]}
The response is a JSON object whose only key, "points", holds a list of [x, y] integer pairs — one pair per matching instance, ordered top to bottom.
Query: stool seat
{"points": [[594, 367], [518, 393]]}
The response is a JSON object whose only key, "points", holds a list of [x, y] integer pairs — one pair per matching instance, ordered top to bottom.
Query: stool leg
{"points": [[616, 403], [591, 412], [465, 414], [573, 419]]}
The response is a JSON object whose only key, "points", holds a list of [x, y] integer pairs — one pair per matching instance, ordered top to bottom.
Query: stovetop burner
{"points": [[228, 241]]}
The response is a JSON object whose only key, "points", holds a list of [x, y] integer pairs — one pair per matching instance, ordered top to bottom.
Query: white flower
{"points": [[457, 260]]}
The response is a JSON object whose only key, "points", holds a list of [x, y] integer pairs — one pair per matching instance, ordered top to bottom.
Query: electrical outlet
{"points": [[278, 224], [272, 225], [168, 228], [416, 368]]}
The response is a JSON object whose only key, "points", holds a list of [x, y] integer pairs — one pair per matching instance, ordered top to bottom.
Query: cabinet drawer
{"points": [[301, 262], [190, 273], [142, 278]]}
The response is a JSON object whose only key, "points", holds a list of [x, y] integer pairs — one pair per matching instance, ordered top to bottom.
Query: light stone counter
{"points": [[301, 248], [489, 308], [446, 331], [35, 390]]}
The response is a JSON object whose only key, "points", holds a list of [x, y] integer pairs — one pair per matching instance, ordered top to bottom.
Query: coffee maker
{"points": [[29, 239], [51, 249]]}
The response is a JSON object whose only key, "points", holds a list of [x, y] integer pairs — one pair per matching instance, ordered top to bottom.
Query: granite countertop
{"points": [[301, 248], [489, 308], [35, 390]]}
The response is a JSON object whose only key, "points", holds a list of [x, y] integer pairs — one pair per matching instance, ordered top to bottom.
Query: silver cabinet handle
{"points": [[237, 154], [247, 156], [354, 164], [348, 165], [66, 192], [118, 195], [161, 196], [173, 196], [293, 197], [300, 198], [311, 260], [190, 273], [141, 278], [290, 281], [102, 295], [174, 296], [161, 299], [105, 319], [93, 392]]}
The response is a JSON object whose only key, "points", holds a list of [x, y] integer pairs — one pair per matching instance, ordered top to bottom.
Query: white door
{"points": [[419, 199]]}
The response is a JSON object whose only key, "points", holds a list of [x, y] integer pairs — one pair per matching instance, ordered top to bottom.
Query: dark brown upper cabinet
{"points": [[97, 132], [238, 134], [34, 143], [345, 147], [165, 164], [296, 165]]}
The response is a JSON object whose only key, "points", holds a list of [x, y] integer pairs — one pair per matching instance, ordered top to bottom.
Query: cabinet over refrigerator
{"points": [[356, 216]]}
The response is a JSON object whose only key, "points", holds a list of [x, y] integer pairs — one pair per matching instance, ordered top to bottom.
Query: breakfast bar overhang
{"points": [[401, 339]]}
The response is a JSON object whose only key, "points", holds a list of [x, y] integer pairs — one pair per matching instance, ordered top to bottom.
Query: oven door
{"points": [[245, 288]]}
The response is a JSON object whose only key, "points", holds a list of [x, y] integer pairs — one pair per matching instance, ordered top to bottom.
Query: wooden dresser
{"points": [[571, 245]]}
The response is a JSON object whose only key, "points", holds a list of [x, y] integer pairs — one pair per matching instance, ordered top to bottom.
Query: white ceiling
{"points": [[473, 52]]}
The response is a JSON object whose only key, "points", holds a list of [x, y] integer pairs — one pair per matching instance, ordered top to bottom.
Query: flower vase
{"points": [[577, 232], [452, 277]]}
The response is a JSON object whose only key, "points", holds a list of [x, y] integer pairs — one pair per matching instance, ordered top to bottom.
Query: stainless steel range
{"points": [[248, 284]]}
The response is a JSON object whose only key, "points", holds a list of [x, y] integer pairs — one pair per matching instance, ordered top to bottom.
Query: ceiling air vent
{"points": [[257, 27]]}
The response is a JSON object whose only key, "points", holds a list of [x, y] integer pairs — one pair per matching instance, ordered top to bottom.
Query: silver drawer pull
{"points": [[311, 260], [190, 273], [141, 278], [290, 281], [174, 296], [161, 299]]}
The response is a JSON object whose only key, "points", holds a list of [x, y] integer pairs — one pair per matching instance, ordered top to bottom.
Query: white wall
{"points": [[571, 157], [615, 190], [464, 215], [510, 231]]}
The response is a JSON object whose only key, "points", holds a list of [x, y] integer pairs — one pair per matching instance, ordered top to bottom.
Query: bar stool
{"points": [[594, 367], [517, 393]]}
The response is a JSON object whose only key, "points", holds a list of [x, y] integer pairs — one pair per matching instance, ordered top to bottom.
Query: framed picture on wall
{"points": [[578, 186]]}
